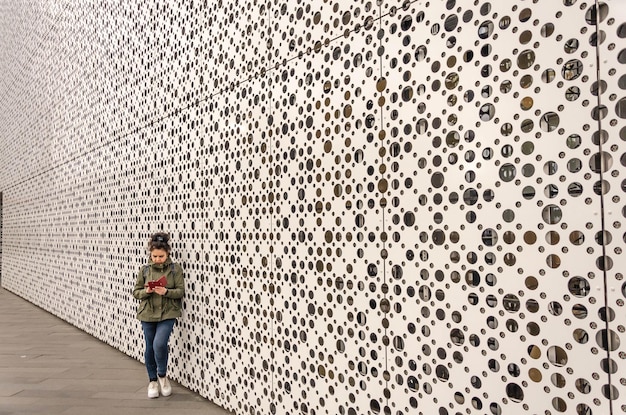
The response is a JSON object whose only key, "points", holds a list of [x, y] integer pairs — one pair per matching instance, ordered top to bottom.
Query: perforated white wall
{"points": [[391, 207]]}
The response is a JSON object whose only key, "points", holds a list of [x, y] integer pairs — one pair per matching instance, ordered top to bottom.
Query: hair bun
{"points": [[160, 237]]}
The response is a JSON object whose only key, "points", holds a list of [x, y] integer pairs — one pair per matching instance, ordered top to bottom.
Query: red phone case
{"points": [[161, 282]]}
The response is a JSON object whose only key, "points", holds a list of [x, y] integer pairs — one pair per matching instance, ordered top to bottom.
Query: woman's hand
{"points": [[160, 290]]}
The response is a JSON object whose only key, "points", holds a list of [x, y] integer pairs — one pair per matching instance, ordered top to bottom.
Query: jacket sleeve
{"points": [[179, 284], [139, 292]]}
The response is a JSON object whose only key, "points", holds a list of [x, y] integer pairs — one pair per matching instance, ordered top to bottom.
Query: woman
{"points": [[161, 304]]}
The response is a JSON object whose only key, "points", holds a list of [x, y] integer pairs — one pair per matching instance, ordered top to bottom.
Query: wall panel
{"points": [[608, 161], [393, 207]]}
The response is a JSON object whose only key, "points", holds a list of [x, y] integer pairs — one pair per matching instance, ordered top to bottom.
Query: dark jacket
{"points": [[154, 307]]}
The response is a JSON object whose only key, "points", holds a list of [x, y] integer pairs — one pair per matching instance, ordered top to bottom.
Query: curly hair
{"points": [[160, 240]]}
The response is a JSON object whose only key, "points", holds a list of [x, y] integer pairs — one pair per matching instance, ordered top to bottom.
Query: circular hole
{"points": [[547, 29], [526, 59], [572, 69], [549, 121], [601, 162], [552, 214], [577, 238], [531, 283], [578, 287], [511, 303], [532, 305], [555, 308], [579, 311], [533, 328], [581, 336], [608, 340], [557, 356], [609, 366], [535, 375], [558, 380], [583, 386], [515, 392], [559, 404]]}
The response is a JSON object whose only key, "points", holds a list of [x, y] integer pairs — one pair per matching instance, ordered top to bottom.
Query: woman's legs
{"points": [[163, 330], [149, 331], [157, 335]]}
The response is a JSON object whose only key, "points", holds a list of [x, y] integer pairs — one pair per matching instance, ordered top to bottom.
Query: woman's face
{"points": [[158, 256]]}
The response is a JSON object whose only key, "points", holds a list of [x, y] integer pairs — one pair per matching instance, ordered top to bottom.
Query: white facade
{"points": [[381, 207]]}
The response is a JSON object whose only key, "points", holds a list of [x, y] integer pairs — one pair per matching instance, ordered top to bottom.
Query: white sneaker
{"points": [[166, 388], [153, 390]]}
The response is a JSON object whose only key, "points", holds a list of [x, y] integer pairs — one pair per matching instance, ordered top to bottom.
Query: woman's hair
{"points": [[160, 240]]}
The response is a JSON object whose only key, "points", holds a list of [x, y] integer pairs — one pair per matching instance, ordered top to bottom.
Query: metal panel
{"points": [[386, 207]]}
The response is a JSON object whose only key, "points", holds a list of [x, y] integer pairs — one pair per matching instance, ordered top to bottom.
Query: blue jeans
{"points": [[157, 334]]}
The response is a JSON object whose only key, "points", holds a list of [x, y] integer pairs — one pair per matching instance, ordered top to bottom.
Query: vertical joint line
{"points": [[602, 201], [384, 262]]}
